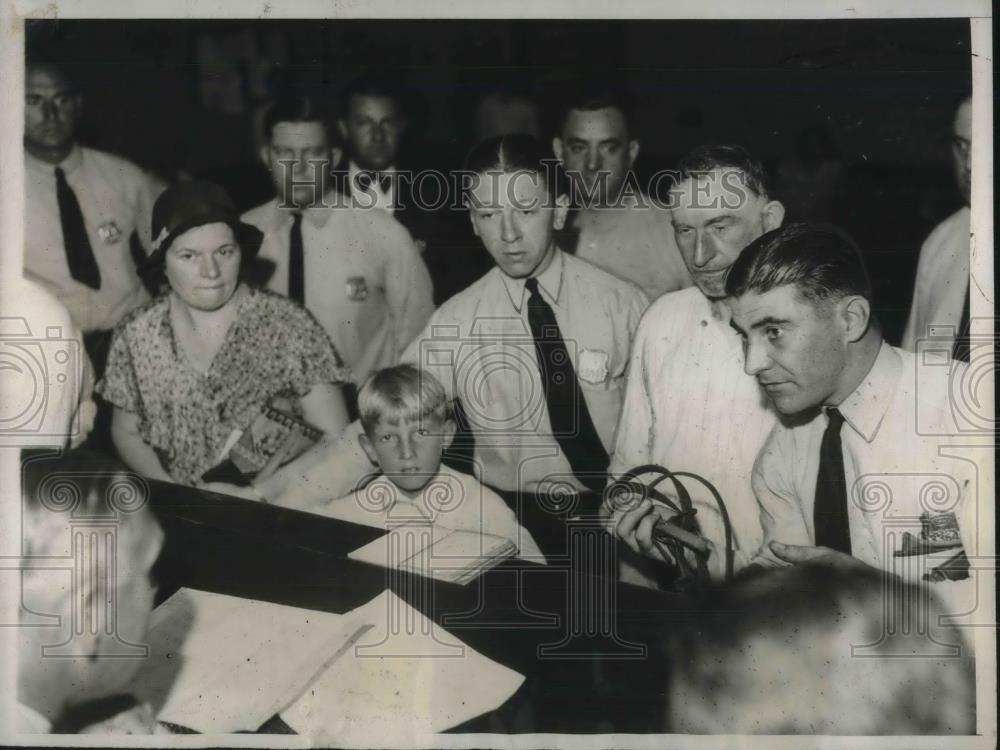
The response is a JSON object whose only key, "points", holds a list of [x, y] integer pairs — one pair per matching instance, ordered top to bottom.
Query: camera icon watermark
{"points": [[35, 366], [499, 370], [969, 409]]}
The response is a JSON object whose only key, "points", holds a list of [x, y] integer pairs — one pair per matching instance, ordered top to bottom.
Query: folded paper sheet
{"points": [[434, 552], [226, 664], [402, 681]]}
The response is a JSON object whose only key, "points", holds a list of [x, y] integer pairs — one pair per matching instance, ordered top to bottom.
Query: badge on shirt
{"points": [[109, 232], [357, 289], [593, 366], [940, 542]]}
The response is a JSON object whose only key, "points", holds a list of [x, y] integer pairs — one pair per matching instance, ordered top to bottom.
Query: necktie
{"points": [[79, 253], [296, 261], [960, 349], [572, 426], [830, 513]]}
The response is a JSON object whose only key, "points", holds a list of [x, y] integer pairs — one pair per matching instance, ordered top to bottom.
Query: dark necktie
{"points": [[79, 253], [296, 261], [960, 349], [572, 426], [832, 527]]}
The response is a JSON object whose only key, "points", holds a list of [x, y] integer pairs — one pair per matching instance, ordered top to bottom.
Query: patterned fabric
{"points": [[274, 350]]}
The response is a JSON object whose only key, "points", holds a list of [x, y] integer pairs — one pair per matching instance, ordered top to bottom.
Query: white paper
{"points": [[224, 664], [404, 680]]}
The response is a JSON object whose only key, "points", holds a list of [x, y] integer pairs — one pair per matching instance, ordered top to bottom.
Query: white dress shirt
{"points": [[374, 196], [116, 198], [636, 243], [365, 281], [942, 281], [47, 385], [689, 406], [900, 462]]}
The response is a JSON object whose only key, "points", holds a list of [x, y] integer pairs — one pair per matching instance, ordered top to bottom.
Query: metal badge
{"points": [[109, 233], [357, 289], [593, 366]]}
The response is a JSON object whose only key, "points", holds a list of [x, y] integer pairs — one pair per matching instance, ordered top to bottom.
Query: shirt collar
{"points": [[72, 161], [318, 216], [550, 281], [867, 404], [30, 721]]}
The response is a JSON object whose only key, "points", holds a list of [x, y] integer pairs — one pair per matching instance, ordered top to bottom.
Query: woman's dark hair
{"points": [[822, 261]]}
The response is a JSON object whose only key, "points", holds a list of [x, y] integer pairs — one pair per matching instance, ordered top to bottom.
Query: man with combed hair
{"points": [[82, 207], [620, 228], [941, 291], [534, 352], [688, 404], [862, 469], [95, 644], [818, 650]]}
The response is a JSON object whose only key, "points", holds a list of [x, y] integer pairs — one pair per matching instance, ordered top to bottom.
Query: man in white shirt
{"points": [[81, 208], [620, 228], [357, 270], [940, 306], [47, 382], [688, 404], [540, 425], [865, 472], [81, 638]]}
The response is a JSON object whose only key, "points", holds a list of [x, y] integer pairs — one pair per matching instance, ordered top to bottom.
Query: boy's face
{"points": [[409, 451]]}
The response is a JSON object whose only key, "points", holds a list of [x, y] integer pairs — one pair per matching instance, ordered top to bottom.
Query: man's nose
{"points": [[49, 110], [379, 133], [593, 160], [508, 231], [704, 251], [755, 358]]}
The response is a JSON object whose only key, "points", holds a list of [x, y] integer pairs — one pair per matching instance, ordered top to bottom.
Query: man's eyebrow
{"points": [[717, 219], [770, 320]]}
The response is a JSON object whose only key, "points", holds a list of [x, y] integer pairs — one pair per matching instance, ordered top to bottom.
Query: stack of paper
{"points": [[434, 552], [225, 664], [402, 681]]}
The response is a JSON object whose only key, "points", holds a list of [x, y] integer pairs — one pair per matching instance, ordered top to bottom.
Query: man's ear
{"points": [[342, 127], [557, 149], [633, 151], [336, 154], [265, 155], [560, 213], [773, 214], [472, 219], [856, 314], [448, 430], [368, 448]]}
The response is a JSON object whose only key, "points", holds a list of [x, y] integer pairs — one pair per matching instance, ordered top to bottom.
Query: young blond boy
{"points": [[406, 429]]}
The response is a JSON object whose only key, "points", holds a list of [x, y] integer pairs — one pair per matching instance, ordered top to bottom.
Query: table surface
{"points": [[602, 673]]}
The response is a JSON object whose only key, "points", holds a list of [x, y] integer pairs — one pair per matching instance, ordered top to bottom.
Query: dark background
{"points": [[863, 106]]}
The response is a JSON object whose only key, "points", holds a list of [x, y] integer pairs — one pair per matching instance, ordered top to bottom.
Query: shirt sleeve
{"points": [[409, 290], [313, 360], [120, 384], [633, 440], [780, 506]]}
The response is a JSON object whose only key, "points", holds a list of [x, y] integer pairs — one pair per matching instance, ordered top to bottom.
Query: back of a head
{"points": [[711, 157], [822, 261], [812, 650]]}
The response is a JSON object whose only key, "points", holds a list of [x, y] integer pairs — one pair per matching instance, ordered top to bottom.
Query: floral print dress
{"points": [[274, 350]]}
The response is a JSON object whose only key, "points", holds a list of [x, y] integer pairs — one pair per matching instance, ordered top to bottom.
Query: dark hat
{"points": [[187, 205]]}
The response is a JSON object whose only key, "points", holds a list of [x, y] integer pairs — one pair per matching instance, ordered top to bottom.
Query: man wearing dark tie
{"points": [[82, 207], [356, 269], [860, 473]]}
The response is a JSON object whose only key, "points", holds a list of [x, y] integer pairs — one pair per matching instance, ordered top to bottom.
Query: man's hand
{"points": [[635, 528], [796, 554]]}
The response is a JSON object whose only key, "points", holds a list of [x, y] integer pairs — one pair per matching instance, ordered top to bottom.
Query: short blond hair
{"points": [[401, 393]]}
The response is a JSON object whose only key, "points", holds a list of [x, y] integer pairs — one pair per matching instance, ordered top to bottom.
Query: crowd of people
{"points": [[702, 334]]}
